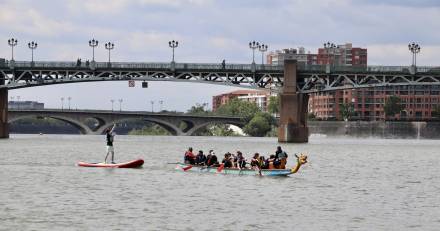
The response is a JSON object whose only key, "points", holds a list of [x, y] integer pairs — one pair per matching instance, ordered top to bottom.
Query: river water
{"points": [[348, 184]]}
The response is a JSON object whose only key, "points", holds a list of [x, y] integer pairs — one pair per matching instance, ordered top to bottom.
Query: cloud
{"points": [[401, 3], [213, 30]]}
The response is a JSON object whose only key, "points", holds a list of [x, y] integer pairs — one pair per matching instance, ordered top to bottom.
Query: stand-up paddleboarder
{"points": [[109, 137]]}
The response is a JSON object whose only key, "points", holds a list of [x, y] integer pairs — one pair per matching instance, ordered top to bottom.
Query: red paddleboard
{"points": [[131, 164]]}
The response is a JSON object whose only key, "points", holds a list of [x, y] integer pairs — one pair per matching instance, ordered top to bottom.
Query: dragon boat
{"points": [[301, 160]]}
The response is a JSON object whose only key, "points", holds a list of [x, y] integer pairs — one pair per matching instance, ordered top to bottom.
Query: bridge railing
{"points": [[139, 65], [214, 66], [379, 69]]}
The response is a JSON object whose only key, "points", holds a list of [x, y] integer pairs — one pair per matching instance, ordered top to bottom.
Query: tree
{"points": [[274, 105], [393, 106], [236, 107], [198, 109], [346, 110], [436, 112], [258, 126]]}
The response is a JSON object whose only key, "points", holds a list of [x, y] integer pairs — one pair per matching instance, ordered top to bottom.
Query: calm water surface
{"points": [[348, 184]]}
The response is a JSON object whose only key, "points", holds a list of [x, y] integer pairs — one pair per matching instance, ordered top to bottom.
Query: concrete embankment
{"points": [[383, 129]]}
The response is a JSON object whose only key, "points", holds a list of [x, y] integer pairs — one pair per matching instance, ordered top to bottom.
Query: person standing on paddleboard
{"points": [[109, 137]]}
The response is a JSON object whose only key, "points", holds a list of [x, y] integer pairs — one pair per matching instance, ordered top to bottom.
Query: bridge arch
{"points": [[170, 127], [198, 127], [84, 129]]}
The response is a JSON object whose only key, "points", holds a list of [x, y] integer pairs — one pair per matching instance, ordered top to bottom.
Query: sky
{"points": [[208, 31]]}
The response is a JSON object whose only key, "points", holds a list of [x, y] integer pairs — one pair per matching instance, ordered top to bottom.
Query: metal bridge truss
{"points": [[248, 76], [310, 78], [318, 82]]}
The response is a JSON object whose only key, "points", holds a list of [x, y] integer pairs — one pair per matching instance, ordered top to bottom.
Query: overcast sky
{"points": [[207, 31]]}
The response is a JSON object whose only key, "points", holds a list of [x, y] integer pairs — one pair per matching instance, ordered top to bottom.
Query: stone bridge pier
{"points": [[293, 109], [4, 129]]}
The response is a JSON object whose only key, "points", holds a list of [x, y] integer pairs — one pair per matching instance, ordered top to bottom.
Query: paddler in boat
{"points": [[109, 134], [189, 157], [282, 157], [200, 158], [211, 159], [240, 160], [227, 161], [255, 162]]}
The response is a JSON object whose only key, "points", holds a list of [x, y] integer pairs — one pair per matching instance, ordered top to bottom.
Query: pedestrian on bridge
{"points": [[109, 133]]}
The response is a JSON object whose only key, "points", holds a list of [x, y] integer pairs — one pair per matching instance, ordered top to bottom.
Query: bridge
{"points": [[294, 82], [105, 119]]}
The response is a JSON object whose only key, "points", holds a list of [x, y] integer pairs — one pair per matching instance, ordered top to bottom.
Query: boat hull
{"points": [[131, 164], [233, 171]]}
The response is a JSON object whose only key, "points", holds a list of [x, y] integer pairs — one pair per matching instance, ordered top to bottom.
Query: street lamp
{"points": [[12, 42], [93, 43], [173, 44], [32, 45], [253, 45], [109, 46], [329, 47], [262, 48], [415, 49], [68, 99], [112, 100], [62, 103], [160, 103], [120, 104], [152, 105]]}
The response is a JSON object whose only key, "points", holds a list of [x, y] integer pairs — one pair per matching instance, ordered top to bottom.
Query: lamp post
{"points": [[12, 42], [93, 43], [173, 44], [32, 45], [253, 45], [109, 46], [329, 47], [262, 48], [415, 49], [68, 100], [112, 100], [62, 103], [160, 103], [120, 104], [152, 105]]}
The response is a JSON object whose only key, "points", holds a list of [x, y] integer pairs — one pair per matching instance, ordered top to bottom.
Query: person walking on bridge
{"points": [[109, 133]]}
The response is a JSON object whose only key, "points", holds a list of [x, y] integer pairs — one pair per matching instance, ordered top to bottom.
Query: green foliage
{"points": [[274, 105], [393, 106], [236, 107], [198, 109], [346, 110], [436, 112], [40, 121], [259, 125], [154, 130], [222, 130], [273, 131]]}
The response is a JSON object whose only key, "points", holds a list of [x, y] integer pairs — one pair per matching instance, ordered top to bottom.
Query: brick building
{"points": [[342, 55], [277, 57], [260, 98], [368, 103]]}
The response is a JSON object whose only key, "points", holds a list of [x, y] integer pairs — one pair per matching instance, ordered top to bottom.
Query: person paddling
{"points": [[109, 133], [281, 156], [189, 157]]}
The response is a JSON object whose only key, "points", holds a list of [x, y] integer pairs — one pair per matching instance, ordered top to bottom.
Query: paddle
{"points": [[187, 168], [220, 168]]}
